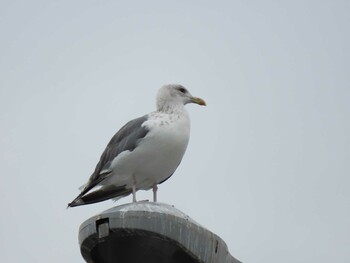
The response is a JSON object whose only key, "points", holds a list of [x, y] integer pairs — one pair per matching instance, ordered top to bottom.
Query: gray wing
{"points": [[126, 139]]}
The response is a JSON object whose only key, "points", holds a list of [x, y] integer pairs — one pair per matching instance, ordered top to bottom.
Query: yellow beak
{"points": [[198, 101]]}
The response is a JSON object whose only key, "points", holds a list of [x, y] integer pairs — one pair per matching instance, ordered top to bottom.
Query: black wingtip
{"points": [[100, 195], [76, 202]]}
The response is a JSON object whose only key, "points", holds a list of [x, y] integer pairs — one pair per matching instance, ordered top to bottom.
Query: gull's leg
{"points": [[155, 188], [134, 190]]}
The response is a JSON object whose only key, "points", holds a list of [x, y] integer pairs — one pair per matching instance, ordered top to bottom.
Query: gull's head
{"points": [[175, 95]]}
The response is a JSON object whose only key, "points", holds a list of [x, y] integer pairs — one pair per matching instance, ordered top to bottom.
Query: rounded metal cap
{"points": [[149, 232]]}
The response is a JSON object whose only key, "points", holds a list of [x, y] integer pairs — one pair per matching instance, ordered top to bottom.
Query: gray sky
{"points": [[267, 167]]}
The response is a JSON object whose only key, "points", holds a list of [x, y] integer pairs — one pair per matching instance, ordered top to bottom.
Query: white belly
{"points": [[155, 158]]}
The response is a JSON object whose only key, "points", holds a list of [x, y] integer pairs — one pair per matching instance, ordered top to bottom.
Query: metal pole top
{"points": [[149, 232]]}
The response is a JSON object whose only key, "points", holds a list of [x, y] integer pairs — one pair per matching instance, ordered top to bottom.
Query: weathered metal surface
{"points": [[149, 232]]}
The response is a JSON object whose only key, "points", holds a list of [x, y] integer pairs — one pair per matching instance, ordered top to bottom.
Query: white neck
{"points": [[170, 107]]}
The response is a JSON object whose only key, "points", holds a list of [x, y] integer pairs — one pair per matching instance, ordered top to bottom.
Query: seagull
{"points": [[145, 152]]}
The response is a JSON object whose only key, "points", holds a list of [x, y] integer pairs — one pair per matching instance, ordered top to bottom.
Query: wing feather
{"points": [[126, 139]]}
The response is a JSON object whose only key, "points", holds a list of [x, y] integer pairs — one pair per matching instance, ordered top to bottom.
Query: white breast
{"points": [[158, 154]]}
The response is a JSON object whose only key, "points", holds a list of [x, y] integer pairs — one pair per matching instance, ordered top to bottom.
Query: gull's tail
{"points": [[102, 194]]}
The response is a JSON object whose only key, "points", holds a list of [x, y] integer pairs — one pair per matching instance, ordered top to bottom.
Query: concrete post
{"points": [[149, 233]]}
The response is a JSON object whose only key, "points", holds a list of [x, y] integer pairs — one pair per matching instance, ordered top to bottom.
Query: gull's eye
{"points": [[183, 90]]}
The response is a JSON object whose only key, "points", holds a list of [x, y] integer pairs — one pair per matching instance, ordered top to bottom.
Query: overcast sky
{"points": [[267, 166]]}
